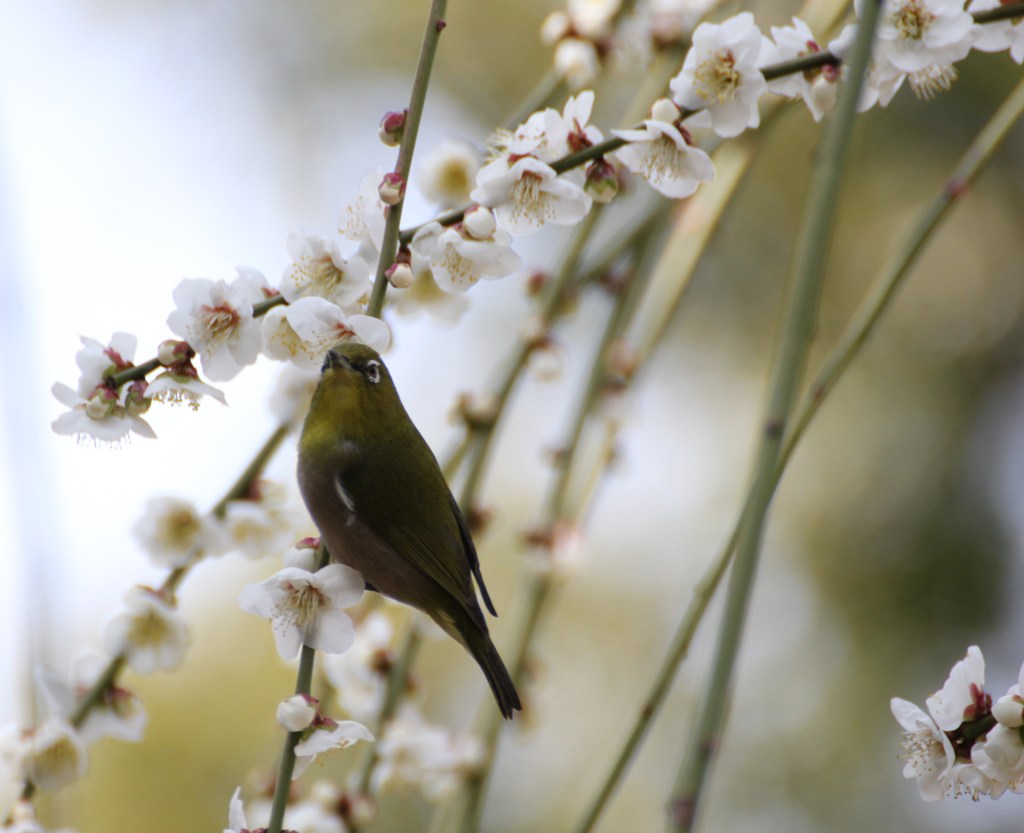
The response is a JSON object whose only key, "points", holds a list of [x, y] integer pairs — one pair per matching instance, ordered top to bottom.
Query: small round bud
{"points": [[555, 27], [577, 62], [664, 109], [391, 128], [602, 183], [391, 189], [479, 223], [399, 275], [536, 282], [173, 351], [621, 358], [136, 401], [101, 403], [477, 410], [1009, 711], [297, 712]]}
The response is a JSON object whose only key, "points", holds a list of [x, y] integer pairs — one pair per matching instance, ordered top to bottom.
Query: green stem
{"points": [[389, 244], [808, 277], [849, 345], [541, 587], [303, 685]]}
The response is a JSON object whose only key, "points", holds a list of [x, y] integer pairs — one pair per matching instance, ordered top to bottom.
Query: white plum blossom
{"points": [[593, 18], [670, 21], [917, 34], [1000, 35], [918, 41], [577, 61], [721, 75], [816, 87], [549, 135], [663, 153], [447, 173], [527, 194], [362, 221], [458, 260], [320, 270], [424, 295], [216, 320], [306, 329], [97, 361], [182, 385], [292, 394], [97, 411], [102, 416], [262, 524], [174, 533], [306, 608], [149, 632], [359, 676], [957, 700], [297, 712], [116, 714], [326, 735], [944, 752], [929, 753], [54, 755], [999, 755], [425, 756], [236, 814]]}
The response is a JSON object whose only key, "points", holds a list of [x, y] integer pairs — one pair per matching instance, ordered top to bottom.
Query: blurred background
{"points": [[145, 142]]}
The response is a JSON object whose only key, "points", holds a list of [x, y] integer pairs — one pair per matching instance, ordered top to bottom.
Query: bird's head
{"points": [[355, 395]]}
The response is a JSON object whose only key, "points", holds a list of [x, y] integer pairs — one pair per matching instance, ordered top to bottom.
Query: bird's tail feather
{"points": [[486, 655]]}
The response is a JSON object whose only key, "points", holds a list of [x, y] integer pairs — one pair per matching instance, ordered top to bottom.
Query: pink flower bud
{"points": [[391, 128], [602, 183], [391, 189]]}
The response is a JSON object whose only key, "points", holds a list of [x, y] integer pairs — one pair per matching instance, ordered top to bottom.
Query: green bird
{"points": [[378, 497]]}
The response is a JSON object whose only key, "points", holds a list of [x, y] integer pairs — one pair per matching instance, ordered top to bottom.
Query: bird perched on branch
{"points": [[381, 503]]}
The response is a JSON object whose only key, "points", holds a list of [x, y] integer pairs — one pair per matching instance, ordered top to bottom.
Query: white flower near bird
{"points": [[306, 608]]}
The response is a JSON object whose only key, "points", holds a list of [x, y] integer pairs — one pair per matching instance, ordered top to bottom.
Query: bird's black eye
{"points": [[372, 371]]}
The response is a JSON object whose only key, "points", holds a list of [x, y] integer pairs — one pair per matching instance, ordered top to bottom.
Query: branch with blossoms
{"points": [[554, 168]]}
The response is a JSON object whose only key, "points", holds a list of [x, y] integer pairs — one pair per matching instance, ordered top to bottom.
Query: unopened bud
{"points": [[555, 27], [665, 110], [391, 128], [602, 183], [391, 189], [479, 223], [399, 275], [536, 282], [172, 351], [136, 401], [101, 403], [1009, 711], [297, 712]]}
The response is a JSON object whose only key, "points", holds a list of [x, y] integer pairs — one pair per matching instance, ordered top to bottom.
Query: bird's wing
{"points": [[425, 527], [470, 550]]}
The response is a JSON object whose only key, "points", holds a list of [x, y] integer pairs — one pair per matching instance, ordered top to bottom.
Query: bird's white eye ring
{"points": [[372, 371]]}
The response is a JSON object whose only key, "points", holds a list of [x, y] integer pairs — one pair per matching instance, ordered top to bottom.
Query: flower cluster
{"points": [[965, 744], [424, 756]]}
